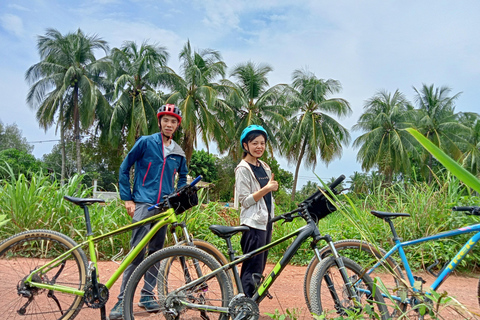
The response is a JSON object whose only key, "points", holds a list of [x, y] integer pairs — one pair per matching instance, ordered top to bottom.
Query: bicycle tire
{"points": [[208, 248], [24, 252], [391, 274], [216, 291], [321, 292]]}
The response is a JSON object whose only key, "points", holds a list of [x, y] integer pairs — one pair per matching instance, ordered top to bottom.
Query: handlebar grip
{"points": [[195, 181], [337, 181], [152, 207], [468, 208], [276, 218]]}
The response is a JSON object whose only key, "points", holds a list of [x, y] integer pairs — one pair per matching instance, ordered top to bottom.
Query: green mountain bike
{"points": [[47, 275]]}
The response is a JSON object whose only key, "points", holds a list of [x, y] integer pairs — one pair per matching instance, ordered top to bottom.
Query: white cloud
{"points": [[12, 23]]}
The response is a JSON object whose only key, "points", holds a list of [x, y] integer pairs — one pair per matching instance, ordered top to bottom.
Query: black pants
{"points": [[251, 240]]}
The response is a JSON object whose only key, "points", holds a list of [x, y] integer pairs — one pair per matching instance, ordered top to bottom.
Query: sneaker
{"points": [[148, 303], [117, 312]]}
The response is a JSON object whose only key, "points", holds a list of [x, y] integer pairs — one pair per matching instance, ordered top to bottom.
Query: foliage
{"points": [[138, 70], [65, 83], [196, 93], [252, 101], [312, 133], [11, 138], [384, 145], [18, 162], [100, 162], [203, 163], [469, 179], [223, 189]]}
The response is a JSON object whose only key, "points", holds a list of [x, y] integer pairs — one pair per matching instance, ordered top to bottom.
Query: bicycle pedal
{"points": [[269, 296]]}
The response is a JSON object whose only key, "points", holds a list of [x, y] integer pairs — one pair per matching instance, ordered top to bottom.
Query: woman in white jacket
{"points": [[254, 183]]}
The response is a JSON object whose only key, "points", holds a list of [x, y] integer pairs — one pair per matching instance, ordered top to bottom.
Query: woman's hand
{"points": [[272, 185]]}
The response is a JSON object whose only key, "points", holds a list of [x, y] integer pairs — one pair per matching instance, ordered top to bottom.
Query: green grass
{"points": [[38, 204]]}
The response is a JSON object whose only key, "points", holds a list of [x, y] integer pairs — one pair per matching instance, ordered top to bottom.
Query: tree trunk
{"points": [[76, 129], [188, 142], [62, 144], [300, 156]]}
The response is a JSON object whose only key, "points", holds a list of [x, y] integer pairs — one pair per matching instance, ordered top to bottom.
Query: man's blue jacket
{"points": [[154, 174]]}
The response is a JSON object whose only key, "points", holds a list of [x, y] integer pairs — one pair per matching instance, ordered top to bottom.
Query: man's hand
{"points": [[130, 206]]}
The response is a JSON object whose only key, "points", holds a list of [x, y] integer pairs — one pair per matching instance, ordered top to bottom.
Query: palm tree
{"points": [[138, 72], [63, 85], [196, 94], [253, 102], [436, 120], [312, 132], [384, 144], [471, 144], [359, 182]]}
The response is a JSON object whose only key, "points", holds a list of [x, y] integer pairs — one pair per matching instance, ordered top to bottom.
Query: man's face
{"points": [[168, 125]]}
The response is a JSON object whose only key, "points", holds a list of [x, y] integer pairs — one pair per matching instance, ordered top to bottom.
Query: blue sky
{"points": [[366, 45]]}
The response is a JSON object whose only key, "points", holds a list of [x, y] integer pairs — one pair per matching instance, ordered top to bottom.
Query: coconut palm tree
{"points": [[138, 71], [64, 87], [196, 94], [254, 102], [438, 122], [312, 133], [384, 144], [471, 144]]}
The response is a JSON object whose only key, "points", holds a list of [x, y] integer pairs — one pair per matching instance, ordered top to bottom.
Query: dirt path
{"points": [[287, 293]]}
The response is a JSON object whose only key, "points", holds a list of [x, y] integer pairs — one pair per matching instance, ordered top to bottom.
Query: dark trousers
{"points": [[251, 240], [155, 244]]}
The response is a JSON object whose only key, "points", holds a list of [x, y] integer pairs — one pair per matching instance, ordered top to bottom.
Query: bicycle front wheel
{"points": [[357, 250], [25, 252], [329, 292], [143, 297]]}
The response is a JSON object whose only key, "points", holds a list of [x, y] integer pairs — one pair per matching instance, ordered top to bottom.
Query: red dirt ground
{"points": [[287, 293]]}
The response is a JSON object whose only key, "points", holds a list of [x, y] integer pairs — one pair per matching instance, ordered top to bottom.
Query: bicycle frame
{"points": [[163, 218], [301, 234], [451, 265]]}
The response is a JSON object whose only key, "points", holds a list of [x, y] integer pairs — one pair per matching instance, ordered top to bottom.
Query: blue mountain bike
{"points": [[404, 291]]}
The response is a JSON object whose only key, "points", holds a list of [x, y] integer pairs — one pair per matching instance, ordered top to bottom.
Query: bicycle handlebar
{"points": [[177, 192], [314, 197], [475, 210]]}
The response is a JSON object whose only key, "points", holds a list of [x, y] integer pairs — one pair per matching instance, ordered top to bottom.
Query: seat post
{"points": [[87, 219], [394, 232]]}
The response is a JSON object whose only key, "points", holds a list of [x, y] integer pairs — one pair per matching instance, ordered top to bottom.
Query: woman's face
{"points": [[257, 146]]}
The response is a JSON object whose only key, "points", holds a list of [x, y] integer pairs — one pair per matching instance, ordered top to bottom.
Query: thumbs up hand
{"points": [[272, 185]]}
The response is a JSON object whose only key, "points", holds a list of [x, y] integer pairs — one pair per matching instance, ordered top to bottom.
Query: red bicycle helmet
{"points": [[171, 110]]}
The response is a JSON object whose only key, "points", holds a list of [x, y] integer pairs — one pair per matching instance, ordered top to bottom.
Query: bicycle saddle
{"points": [[82, 201], [384, 215], [226, 231]]}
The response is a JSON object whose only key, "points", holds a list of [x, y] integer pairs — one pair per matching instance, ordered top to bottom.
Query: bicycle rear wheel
{"points": [[204, 246], [27, 251], [187, 264], [389, 271], [329, 291]]}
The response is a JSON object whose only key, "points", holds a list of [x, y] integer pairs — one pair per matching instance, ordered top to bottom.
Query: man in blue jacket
{"points": [[157, 159]]}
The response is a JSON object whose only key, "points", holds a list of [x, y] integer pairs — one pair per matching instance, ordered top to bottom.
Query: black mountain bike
{"points": [[196, 286]]}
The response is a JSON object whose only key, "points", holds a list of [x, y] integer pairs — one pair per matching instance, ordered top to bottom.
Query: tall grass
{"points": [[38, 203]]}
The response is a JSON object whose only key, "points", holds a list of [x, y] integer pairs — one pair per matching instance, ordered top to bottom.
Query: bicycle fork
{"points": [[352, 293]]}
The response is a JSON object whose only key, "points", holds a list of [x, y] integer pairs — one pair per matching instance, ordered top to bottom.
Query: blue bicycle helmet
{"points": [[252, 128]]}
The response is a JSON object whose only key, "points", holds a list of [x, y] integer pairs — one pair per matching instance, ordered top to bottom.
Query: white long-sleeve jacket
{"points": [[253, 214]]}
